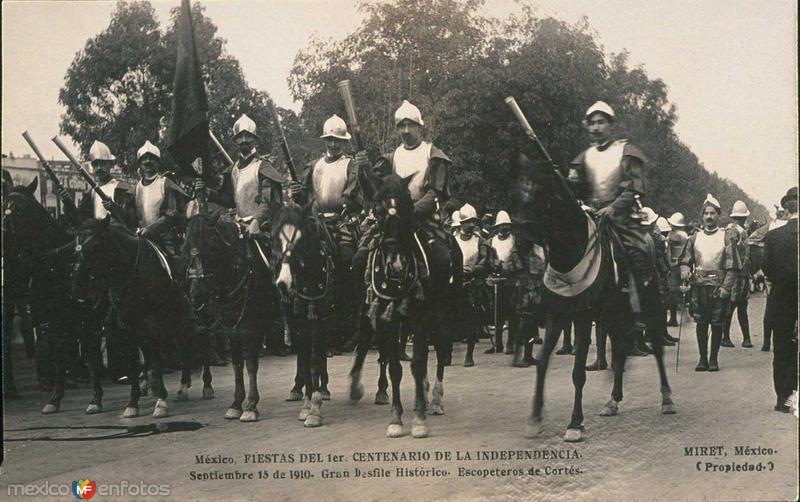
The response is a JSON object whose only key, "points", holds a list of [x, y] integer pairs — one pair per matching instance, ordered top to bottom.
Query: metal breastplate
{"points": [[413, 163], [604, 172], [329, 180], [108, 189], [245, 189], [148, 201], [503, 248], [469, 250], [708, 250]]}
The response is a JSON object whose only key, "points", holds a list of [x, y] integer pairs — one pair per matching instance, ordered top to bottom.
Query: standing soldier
{"points": [[609, 177], [332, 184], [120, 192], [676, 243], [710, 260], [475, 265], [780, 267], [741, 288]]}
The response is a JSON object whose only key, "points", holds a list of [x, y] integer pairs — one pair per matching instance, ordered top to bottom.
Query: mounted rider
{"points": [[609, 178], [331, 183], [159, 201], [91, 205], [475, 254], [711, 263]]}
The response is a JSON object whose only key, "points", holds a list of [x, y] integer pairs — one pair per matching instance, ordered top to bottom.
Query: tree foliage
{"points": [[458, 66], [118, 89]]}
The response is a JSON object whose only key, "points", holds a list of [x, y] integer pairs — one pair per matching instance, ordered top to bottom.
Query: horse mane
{"points": [[393, 186], [302, 219], [52, 228]]}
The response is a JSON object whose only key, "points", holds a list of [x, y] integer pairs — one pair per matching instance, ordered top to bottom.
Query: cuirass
{"points": [[413, 163], [604, 172], [329, 180], [245, 188], [108, 189], [148, 201], [503, 248], [469, 250], [709, 250]]}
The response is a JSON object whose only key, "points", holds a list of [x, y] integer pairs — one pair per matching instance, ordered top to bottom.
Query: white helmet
{"points": [[602, 107], [407, 111], [244, 124], [335, 127], [148, 148], [99, 151], [713, 202], [740, 209], [467, 212], [648, 216], [502, 218], [455, 219], [677, 220], [663, 225]]}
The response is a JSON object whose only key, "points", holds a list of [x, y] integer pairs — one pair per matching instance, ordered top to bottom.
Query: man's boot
{"points": [[673, 320], [716, 339], [746, 343], [702, 346], [519, 356], [528, 358], [468, 360]]}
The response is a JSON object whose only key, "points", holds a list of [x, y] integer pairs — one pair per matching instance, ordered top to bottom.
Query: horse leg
{"points": [[552, 332], [583, 333], [92, 344], [251, 349], [304, 349], [390, 352], [443, 354], [317, 356], [618, 356], [59, 369], [419, 369], [156, 376], [324, 379], [356, 387], [208, 390], [182, 393], [296, 394], [667, 405], [235, 409], [132, 410]]}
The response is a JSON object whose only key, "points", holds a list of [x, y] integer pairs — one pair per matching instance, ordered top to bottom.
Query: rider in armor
{"points": [[608, 177], [710, 261]]}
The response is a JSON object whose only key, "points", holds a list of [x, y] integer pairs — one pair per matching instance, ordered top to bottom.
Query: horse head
{"points": [[297, 247], [102, 259]]}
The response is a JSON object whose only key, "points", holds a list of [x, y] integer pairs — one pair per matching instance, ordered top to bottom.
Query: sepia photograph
{"points": [[385, 250]]}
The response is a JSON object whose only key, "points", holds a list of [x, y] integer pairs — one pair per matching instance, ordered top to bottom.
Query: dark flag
{"points": [[187, 135]]}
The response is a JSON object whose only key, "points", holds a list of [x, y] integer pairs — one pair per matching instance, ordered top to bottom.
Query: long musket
{"points": [[347, 98], [526, 126], [287, 155], [228, 158], [49, 170], [92, 183], [680, 327]]}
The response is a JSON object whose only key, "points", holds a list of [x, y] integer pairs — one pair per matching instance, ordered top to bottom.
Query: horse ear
{"points": [[31, 188], [215, 216]]}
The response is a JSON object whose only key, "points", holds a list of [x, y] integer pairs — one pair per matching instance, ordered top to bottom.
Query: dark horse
{"points": [[38, 251], [127, 269], [305, 282], [229, 283], [581, 287], [400, 292]]}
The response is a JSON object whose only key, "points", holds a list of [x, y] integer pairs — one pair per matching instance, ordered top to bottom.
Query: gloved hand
{"points": [[362, 160], [295, 188], [254, 228]]}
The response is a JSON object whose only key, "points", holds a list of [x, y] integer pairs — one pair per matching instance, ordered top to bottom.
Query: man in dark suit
{"points": [[780, 268]]}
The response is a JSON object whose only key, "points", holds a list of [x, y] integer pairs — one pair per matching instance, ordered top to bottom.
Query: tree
{"points": [[458, 66], [118, 88]]}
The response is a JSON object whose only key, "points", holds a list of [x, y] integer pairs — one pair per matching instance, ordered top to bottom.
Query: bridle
{"points": [[286, 257]]}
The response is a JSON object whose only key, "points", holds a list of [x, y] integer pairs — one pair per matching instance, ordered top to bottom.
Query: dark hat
{"points": [[790, 194]]}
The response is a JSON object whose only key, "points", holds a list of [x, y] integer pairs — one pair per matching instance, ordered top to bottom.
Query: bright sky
{"points": [[730, 66]]}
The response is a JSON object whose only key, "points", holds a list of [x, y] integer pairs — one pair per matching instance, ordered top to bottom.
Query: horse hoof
{"points": [[356, 392], [208, 393], [326, 394], [295, 395], [181, 396], [381, 397], [49, 409], [93, 409], [436, 409], [610, 409], [668, 409], [160, 410], [305, 411], [130, 412], [233, 414], [249, 416], [313, 421], [533, 428], [419, 429], [394, 431], [573, 435]]}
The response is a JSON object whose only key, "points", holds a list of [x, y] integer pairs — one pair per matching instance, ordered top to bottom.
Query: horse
{"points": [[38, 254], [129, 271], [228, 281], [305, 282], [581, 286], [402, 292]]}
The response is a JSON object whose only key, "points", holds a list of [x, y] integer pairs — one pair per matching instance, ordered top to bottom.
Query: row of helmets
{"points": [[468, 213]]}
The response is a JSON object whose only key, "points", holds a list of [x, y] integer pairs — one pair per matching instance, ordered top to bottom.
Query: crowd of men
{"points": [[502, 263]]}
